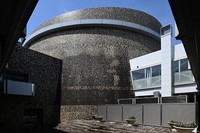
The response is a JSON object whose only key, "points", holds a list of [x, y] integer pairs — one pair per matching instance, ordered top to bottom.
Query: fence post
{"points": [[122, 112], [196, 112], [106, 113], [142, 113], [161, 114]]}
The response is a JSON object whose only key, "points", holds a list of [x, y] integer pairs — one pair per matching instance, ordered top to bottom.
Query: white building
{"points": [[165, 72]]}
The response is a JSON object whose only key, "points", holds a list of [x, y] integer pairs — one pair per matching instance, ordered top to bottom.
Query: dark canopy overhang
{"points": [[186, 15], [14, 17]]}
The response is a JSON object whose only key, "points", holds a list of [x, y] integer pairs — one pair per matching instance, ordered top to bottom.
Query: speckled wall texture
{"points": [[116, 13], [95, 59], [45, 72], [71, 112]]}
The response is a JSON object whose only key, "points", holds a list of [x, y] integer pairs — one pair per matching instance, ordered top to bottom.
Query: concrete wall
{"points": [[179, 52], [165, 57], [145, 61], [166, 63], [45, 72], [190, 88], [150, 114]]}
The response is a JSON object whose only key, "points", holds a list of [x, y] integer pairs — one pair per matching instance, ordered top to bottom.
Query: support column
{"points": [[166, 66], [198, 107]]}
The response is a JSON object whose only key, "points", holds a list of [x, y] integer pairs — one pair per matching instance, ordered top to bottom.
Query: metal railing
{"points": [[183, 77], [147, 83], [147, 100]]}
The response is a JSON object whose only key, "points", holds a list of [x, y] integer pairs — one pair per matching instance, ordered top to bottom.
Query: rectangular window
{"points": [[183, 65], [176, 66], [156, 70], [176, 71], [182, 73], [139, 74], [156, 76], [147, 78], [17, 84]]}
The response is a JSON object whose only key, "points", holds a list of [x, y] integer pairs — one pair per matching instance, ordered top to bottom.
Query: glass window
{"points": [[183, 65], [176, 66], [156, 70], [148, 72], [139, 74], [182, 74], [148, 77]]}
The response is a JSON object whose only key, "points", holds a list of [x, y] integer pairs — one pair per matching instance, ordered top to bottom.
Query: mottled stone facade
{"points": [[116, 13], [95, 67], [45, 72], [71, 112]]}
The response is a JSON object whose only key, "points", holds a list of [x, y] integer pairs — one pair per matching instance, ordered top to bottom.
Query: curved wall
{"points": [[114, 13], [95, 67]]}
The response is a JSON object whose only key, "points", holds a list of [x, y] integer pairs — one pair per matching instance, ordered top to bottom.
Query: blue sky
{"points": [[47, 9]]}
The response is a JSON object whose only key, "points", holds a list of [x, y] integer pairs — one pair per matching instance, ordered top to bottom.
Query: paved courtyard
{"points": [[92, 126]]}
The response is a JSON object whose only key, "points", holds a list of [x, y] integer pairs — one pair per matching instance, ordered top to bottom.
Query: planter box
{"points": [[98, 118], [131, 121], [172, 123], [183, 129]]}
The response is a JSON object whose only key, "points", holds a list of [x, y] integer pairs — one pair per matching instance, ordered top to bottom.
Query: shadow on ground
{"points": [[35, 130]]}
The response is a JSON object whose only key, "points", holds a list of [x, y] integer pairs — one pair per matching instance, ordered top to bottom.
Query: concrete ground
{"points": [[93, 126], [37, 130]]}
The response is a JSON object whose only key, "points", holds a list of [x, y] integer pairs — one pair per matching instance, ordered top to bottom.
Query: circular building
{"points": [[95, 46]]}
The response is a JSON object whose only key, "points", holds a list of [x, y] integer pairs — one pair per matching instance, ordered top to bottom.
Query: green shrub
{"points": [[131, 117], [174, 122], [186, 125]]}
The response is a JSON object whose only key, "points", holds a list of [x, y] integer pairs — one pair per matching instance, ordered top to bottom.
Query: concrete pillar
{"points": [[166, 61], [198, 107]]}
